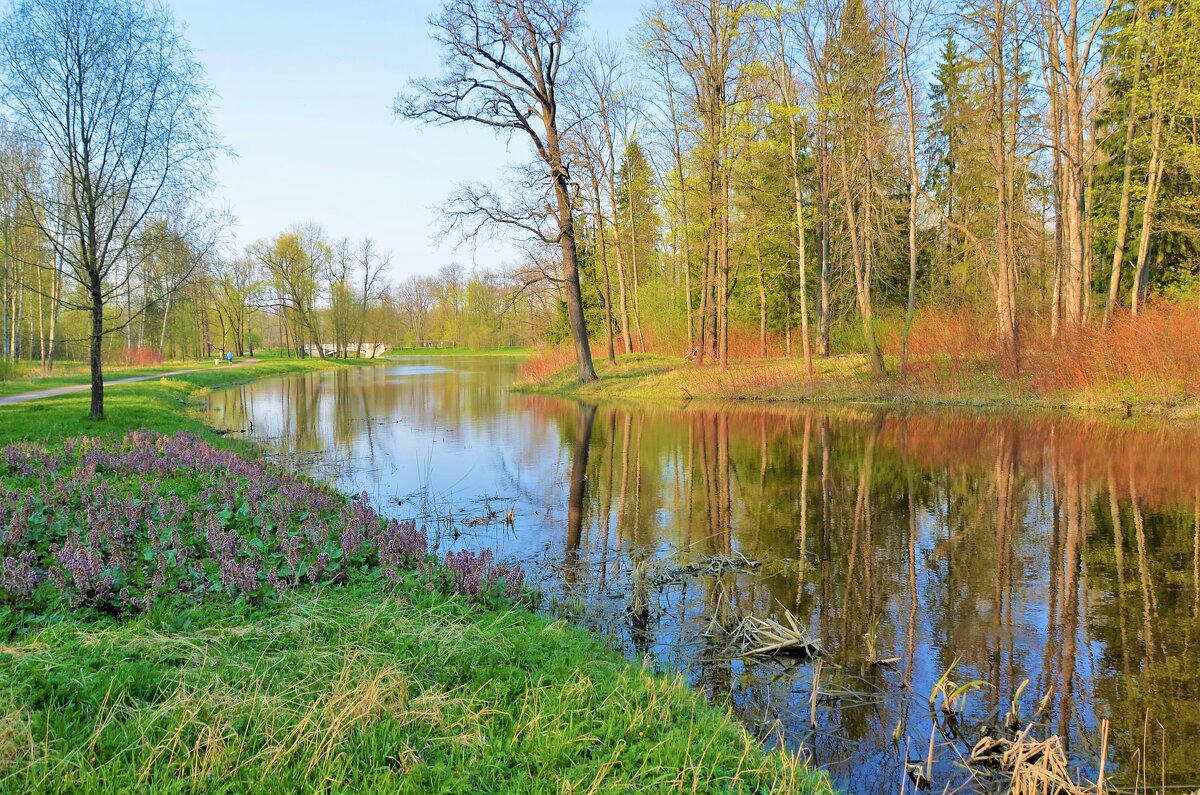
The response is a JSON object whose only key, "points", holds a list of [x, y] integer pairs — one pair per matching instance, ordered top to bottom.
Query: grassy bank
{"points": [[1148, 364], [30, 378], [848, 379], [161, 405], [179, 618], [354, 690]]}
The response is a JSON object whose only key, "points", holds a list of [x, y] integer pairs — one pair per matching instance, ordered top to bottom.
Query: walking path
{"points": [[38, 394]]}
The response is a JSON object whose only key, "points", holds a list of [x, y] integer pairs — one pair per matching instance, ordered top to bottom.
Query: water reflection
{"points": [[1013, 547]]}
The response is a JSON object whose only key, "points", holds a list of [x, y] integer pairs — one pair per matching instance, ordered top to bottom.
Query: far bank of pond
{"points": [[847, 379], [1052, 560]]}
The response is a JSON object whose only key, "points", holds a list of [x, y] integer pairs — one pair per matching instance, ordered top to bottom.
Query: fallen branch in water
{"points": [[761, 637]]}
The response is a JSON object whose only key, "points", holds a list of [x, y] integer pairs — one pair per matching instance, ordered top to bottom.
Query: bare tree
{"points": [[906, 29], [1066, 33], [711, 42], [504, 63], [784, 75], [110, 92], [610, 98], [293, 264], [372, 264], [235, 284]]}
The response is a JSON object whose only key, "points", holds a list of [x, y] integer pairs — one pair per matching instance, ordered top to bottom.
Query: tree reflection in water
{"points": [[1051, 549]]}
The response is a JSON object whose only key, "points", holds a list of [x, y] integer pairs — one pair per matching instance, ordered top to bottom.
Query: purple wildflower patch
{"points": [[120, 524]]}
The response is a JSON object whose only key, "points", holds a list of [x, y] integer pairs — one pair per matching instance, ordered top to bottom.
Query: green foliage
{"points": [[1138, 39]]}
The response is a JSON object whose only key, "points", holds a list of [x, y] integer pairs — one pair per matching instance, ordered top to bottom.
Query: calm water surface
{"points": [[1010, 548]]}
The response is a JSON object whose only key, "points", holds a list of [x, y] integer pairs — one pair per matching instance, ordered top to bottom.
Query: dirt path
{"points": [[38, 394]]}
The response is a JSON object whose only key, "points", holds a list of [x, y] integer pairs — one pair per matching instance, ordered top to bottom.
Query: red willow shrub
{"points": [[946, 350], [1156, 351], [1154, 354], [139, 356], [546, 363], [118, 525]]}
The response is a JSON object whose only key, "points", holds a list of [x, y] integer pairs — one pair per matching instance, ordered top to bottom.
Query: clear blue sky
{"points": [[304, 95]]}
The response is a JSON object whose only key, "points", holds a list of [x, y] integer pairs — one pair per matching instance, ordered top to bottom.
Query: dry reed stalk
{"points": [[760, 637], [816, 693], [1103, 756]]}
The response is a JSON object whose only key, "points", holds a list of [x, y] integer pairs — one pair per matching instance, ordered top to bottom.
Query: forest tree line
{"points": [[738, 177], [816, 177], [301, 291]]}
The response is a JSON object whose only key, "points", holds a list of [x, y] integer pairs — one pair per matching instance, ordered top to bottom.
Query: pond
{"points": [[1023, 571]]}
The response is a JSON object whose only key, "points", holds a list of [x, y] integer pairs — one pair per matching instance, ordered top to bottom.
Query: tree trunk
{"points": [[785, 83], [677, 152], [1154, 178], [913, 194], [566, 225], [1121, 244], [861, 260], [633, 263], [825, 276], [723, 286], [55, 287], [622, 293], [706, 296], [762, 308], [608, 316], [41, 321], [162, 334], [96, 348]]}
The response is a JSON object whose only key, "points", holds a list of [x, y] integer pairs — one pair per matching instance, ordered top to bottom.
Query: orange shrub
{"points": [[1158, 349], [139, 356], [547, 362]]}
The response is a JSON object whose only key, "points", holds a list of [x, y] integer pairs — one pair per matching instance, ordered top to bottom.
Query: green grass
{"points": [[642, 376], [159, 405], [346, 690]]}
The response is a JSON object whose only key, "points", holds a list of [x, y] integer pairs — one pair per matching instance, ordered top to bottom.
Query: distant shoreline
{"points": [[842, 380]]}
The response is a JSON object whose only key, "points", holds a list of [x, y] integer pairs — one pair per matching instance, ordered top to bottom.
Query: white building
{"points": [[368, 350]]}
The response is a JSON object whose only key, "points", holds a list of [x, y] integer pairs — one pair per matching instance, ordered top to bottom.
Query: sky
{"points": [[303, 95]]}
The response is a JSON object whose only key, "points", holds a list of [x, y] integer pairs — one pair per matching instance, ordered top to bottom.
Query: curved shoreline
{"points": [[597, 707]]}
